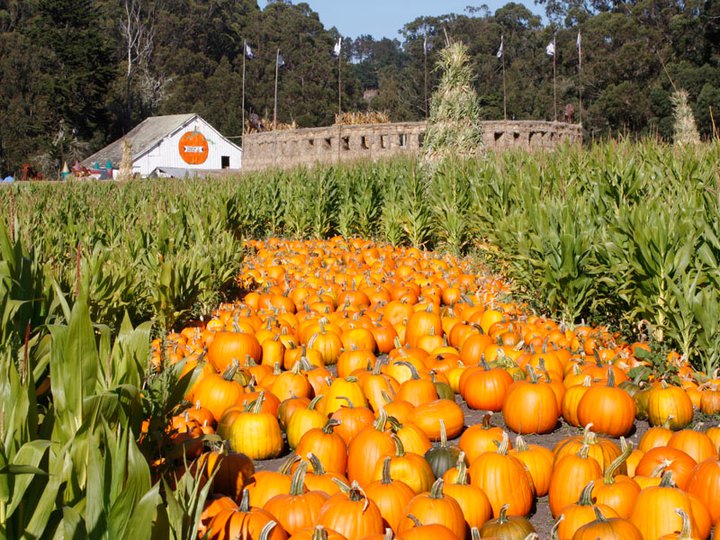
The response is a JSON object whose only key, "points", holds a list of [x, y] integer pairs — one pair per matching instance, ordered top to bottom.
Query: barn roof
{"points": [[144, 136]]}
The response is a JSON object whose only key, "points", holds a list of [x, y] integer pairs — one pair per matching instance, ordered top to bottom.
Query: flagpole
{"points": [[502, 42], [579, 43], [277, 69], [426, 77], [554, 77], [340, 81], [242, 129]]}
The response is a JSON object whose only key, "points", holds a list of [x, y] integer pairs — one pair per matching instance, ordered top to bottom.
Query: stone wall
{"points": [[333, 144]]}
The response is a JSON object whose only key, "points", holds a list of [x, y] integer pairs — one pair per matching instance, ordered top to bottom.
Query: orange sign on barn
{"points": [[193, 147]]}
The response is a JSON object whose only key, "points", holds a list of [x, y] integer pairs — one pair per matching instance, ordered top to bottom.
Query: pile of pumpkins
{"points": [[350, 358]]}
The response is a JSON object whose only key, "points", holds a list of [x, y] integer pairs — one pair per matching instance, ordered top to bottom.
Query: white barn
{"points": [[173, 145]]}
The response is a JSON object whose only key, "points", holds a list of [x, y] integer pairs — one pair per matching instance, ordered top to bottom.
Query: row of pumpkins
{"points": [[351, 354]]}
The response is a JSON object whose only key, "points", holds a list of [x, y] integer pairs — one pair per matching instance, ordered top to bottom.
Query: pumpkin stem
{"points": [[483, 363], [377, 366], [232, 369], [413, 370], [533, 375], [611, 377], [347, 400], [315, 401], [256, 406], [381, 420], [486, 421], [330, 425], [443, 434], [589, 436], [504, 444], [520, 444], [399, 447], [627, 448], [584, 451], [289, 462], [317, 465], [462, 470], [386, 478], [298, 480], [667, 480], [436, 491], [586, 495], [245, 501], [599, 515], [502, 518], [415, 520], [556, 527], [685, 530], [265, 531], [319, 533], [474, 533], [388, 534]]}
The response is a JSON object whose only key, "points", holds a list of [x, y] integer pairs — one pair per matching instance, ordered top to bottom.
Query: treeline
{"points": [[77, 74]]}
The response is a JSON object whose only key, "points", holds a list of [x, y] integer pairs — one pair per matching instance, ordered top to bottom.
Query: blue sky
{"points": [[383, 18]]}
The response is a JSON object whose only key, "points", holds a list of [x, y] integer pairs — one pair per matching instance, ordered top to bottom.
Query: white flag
{"points": [[578, 42], [426, 45], [337, 48], [500, 49], [550, 49], [248, 52], [280, 60]]}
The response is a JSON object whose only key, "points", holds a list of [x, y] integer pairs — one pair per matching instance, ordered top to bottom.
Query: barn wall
{"points": [[166, 153]]}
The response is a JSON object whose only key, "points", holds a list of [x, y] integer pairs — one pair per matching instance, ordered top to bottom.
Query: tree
{"points": [[70, 30]]}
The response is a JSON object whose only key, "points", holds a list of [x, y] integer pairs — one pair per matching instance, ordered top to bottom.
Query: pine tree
{"points": [[454, 128]]}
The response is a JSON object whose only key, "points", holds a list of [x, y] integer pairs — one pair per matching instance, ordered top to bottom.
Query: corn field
{"points": [[620, 234]]}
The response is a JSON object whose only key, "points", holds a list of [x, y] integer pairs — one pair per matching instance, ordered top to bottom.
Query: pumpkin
{"points": [[229, 346], [486, 388], [218, 393], [671, 404], [531, 406], [610, 409], [428, 416], [303, 420], [352, 420], [252, 432], [480, 438], [694, 443], [326, 445], [367, 448], [601, 449], [442, 457], [670, 459], [538, 460], [408, 467], [230, 471], [570, 475], [320, 480], [504, 480], [704, 483], [264, 485], [617, 491], [390, 496], [473, 501], [435, 507], [297, 509], [580, 513], [654, 513], [351, 514], [246, 523], [507, 527], [603, 528], [433, 531], [317, 532]]}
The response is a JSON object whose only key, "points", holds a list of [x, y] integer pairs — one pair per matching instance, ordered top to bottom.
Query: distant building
{"points": [[370, 93], [174, 145]]}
